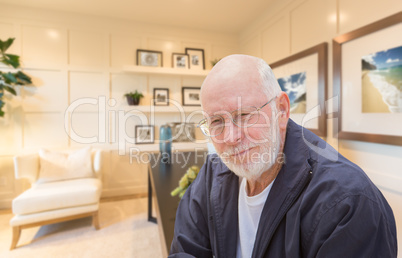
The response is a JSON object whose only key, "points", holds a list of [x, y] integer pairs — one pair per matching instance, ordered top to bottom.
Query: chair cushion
{"points": [[57, 166], [58, 195]]}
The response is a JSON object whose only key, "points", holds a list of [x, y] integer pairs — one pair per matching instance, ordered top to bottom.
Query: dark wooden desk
{"points": [[162, 179]]}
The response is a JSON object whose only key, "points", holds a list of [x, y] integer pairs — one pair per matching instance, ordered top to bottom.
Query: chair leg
{"points": [[95, 220], [16, 237]]}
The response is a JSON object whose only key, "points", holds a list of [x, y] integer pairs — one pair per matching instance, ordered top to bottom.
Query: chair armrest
{"points": [[97, 163], [27, 166]]}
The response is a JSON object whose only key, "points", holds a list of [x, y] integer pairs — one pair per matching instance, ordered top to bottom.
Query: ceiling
{"points": [[229, 16]]}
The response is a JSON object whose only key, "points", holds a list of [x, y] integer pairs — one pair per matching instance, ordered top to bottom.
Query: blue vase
{"points": [[165, 143]]}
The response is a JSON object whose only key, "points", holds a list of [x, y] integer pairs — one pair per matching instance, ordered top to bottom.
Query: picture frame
{"points": [[149, 58], [196, 58], [180, 61], [308, 70], [354, 84], [191, 96], [161, 97], [144, 134]]}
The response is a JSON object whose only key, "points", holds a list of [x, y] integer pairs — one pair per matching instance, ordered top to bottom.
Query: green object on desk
{"points": [[185, 181]]}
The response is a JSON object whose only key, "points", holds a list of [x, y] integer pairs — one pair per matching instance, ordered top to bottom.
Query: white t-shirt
{"points": [[250, 209]]}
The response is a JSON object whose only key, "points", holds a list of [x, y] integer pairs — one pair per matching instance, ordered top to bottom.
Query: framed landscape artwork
{"points": [[149, 58], [196, 58], [180, 61], [303, 76], [368, 82], [191, 96], [161, 97], [144, 134]]}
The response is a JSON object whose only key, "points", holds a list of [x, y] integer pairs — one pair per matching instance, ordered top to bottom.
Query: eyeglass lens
{"points": [[244, 117]]}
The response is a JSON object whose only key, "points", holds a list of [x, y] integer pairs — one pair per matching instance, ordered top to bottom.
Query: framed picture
{"points": [[149, 58], [196, 58], [180, 61], [303, 76], [368, 82], [191, 96], [161, 97], [144, 134]]}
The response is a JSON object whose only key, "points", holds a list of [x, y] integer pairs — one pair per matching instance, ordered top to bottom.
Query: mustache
{"points": [[239, 149]]}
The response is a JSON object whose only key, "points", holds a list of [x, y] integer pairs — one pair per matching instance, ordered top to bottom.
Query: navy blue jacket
{"points": [[320, 205]]}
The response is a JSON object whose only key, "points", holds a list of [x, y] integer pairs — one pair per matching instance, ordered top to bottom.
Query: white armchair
{"points": [[63, 187]]}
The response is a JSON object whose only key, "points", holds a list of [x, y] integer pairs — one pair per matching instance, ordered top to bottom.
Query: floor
{"points": [[125, 232]]}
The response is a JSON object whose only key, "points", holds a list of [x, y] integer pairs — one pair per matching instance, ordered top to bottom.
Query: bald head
{"points": [[238, 72]]}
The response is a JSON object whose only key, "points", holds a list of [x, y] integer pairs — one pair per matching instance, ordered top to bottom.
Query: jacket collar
{"points": [[288, 185]]}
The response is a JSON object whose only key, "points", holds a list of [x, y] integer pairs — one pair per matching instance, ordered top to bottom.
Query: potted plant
{"points": [[9, 80], [133, 98]]}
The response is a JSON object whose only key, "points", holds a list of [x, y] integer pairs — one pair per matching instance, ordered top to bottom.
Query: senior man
{"points": [[268, 193]]}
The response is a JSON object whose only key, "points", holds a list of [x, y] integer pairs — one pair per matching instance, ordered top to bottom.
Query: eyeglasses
{"points": [[242, 117]]}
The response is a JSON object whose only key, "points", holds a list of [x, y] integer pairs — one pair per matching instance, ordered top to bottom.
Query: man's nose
{"points": [[232, 133]]}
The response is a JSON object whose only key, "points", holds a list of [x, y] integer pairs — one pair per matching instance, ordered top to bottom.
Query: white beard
{"points": [[253, 167]]}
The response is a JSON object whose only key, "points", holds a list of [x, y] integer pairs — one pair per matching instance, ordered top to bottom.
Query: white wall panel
{"points": [[357, 13], [312, 22], [7, 31], [275, 40], [44, 46], [252, 46], [167, 47], [87, 48], [124, 50], [219, 52], [191, 81], [123, 83], [173, 83], [88, 85], [49, 92], [130, 124], [89, 129], [45, 130], [123, 131], [11, 132], [368, 155], [6, 175], [127, 177], [8, 189], [394, 200]]}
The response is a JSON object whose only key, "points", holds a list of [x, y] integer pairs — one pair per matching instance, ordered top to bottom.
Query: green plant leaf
{"points": [[4, 45], [12, 60], [9, 78], [22, 78], [10, 89], [134, 95], [1, 105]]}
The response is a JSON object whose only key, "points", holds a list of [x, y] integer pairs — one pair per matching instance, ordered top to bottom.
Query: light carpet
{"points": [[125, 232]]}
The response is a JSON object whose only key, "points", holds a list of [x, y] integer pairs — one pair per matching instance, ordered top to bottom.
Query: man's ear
{"points": [[283, 106]]}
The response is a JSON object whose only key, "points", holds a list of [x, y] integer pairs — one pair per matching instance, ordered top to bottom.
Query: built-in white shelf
{"points": [[164, 70], [162, 109], [176, 147]]}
